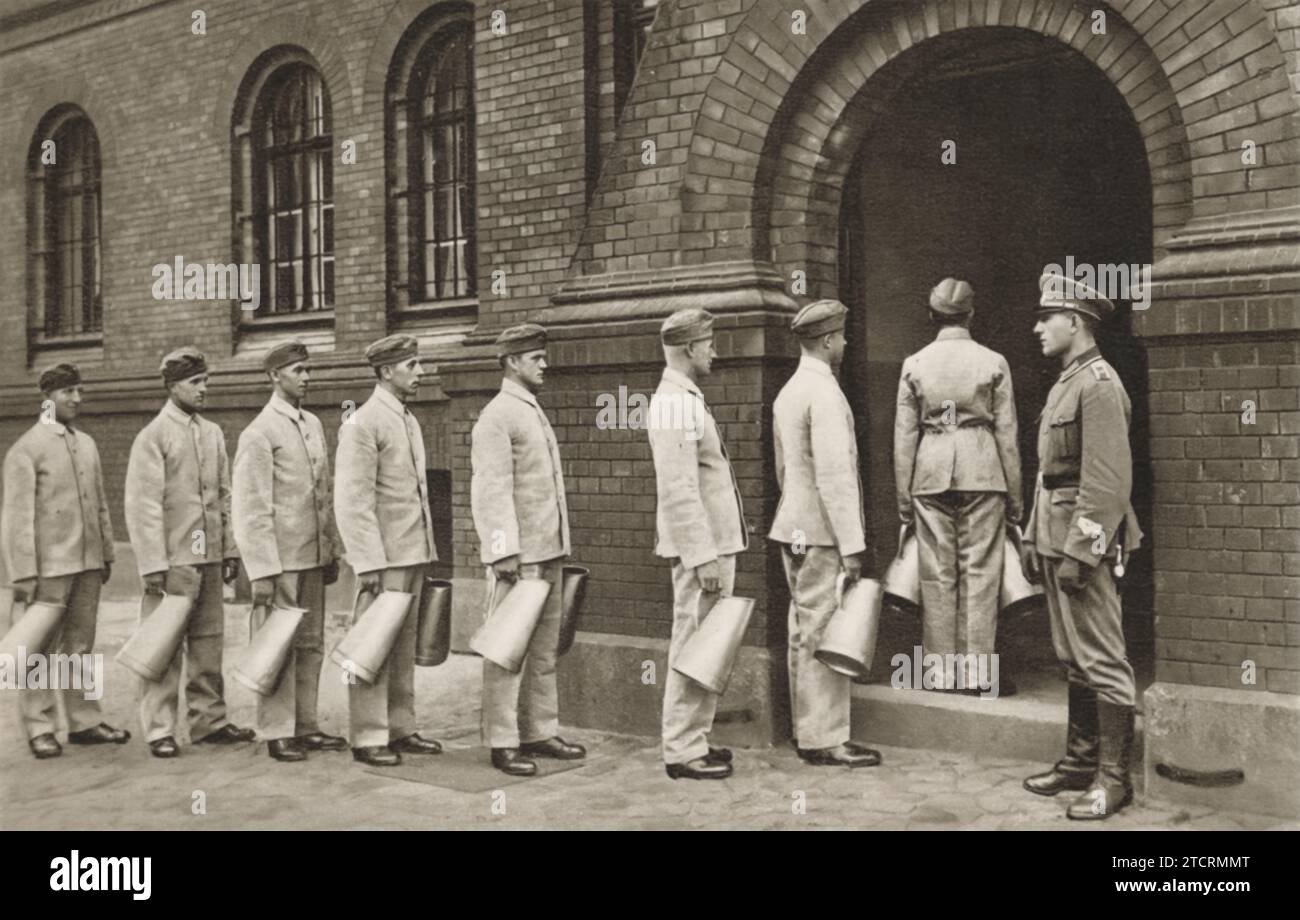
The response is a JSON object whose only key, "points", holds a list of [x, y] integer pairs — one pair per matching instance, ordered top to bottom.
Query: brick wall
{"points": [[1227, 513]]}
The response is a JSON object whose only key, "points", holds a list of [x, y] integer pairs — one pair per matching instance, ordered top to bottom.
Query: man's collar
{"points": [[952, 332], [1092, 354], [816, 365], [686, 383], [517, 391], [387, 399], [284, 407], [178, 415]]}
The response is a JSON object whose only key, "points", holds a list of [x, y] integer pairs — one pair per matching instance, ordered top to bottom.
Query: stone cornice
{"points": [[44, 22], [1254, 243], [1235, 274], [722, 288]]}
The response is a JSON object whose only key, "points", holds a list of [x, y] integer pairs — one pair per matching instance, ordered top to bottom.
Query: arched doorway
{"points": [[1049, 164]]}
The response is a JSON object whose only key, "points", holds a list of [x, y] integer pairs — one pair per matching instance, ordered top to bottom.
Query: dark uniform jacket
{"points": [[1085, 466]]}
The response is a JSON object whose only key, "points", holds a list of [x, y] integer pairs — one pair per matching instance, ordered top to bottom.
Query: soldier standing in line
{"points": [[957, 471], [381, 503], [283, 516], [178, 518], [522, 518], [1083, 522], [820, 525], [700, 527], [58, 545]]}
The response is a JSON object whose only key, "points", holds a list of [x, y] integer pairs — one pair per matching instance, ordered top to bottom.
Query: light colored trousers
{"points": [[960, 541], [1088, 633], [75, 635], [202, 648], [819, 697], [525, 707], [689, 708], [290, 710], [385, 710]]}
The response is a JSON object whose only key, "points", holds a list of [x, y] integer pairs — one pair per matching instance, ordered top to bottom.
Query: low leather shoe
{"points": [[100, 734], [45, 746], [556, 748], [512, 762], [699, 768]]}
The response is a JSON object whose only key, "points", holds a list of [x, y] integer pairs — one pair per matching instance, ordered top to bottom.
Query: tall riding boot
{"points": [[1076, 770], [1112, 789]]}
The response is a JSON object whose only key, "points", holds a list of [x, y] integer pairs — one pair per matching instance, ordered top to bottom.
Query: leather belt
{"points": [[939, 427], [1060, 482]]}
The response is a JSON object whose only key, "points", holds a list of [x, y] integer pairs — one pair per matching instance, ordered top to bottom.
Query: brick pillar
{"points": [[1223, 336]]}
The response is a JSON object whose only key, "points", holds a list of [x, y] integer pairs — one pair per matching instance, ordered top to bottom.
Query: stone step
{"points": [[1027, 726]]}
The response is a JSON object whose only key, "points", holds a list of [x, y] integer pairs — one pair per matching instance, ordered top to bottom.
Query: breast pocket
{"points": [[1065, 435]]}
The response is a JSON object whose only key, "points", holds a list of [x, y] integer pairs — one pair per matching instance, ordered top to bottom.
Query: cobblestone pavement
{"points": [[622, 785]]}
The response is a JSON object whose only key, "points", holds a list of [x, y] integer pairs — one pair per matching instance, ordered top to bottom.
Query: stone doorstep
{"points": [[1028, 726]]}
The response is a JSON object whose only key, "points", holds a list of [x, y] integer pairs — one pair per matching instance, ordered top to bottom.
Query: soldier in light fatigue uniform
{"points": [[957, 470], [381, 505], [283, 514], [178, 517], [522, 518], [820, 526], [699, 527], [58, 546]]}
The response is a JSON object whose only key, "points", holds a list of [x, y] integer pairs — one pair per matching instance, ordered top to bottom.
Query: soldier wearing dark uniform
{"points": [[1082, 525]]}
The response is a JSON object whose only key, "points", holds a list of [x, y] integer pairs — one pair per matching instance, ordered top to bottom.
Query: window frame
{"points": [[50, 210], [252, 230], [404, 288]]}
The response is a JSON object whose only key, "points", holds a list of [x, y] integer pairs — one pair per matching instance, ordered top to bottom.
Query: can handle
{"points": [[902, 540]]}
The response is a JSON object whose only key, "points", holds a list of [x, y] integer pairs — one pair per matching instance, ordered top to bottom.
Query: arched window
{"points": [[430, 103], [441, 115], [285, 196], [64, 227]]}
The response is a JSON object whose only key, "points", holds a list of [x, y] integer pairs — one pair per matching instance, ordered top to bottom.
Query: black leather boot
{"points": [[1076, 769], [1112, 788]]}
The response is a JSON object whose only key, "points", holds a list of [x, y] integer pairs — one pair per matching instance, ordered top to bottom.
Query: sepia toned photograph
{"points": [[663, 415]]}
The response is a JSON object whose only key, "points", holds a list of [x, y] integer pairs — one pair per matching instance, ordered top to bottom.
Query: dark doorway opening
{"points": [[1049, 164]]}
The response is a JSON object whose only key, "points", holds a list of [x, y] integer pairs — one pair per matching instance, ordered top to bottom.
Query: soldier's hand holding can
{"points": [[1029, 562], [507, 569], [710, 576], [368, 582], [155, 583], [263, 592]]}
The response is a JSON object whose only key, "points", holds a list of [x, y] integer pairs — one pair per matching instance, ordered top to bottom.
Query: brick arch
{"points": [[405, 24], [289, 31], [56, 91], [783, 116]]}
